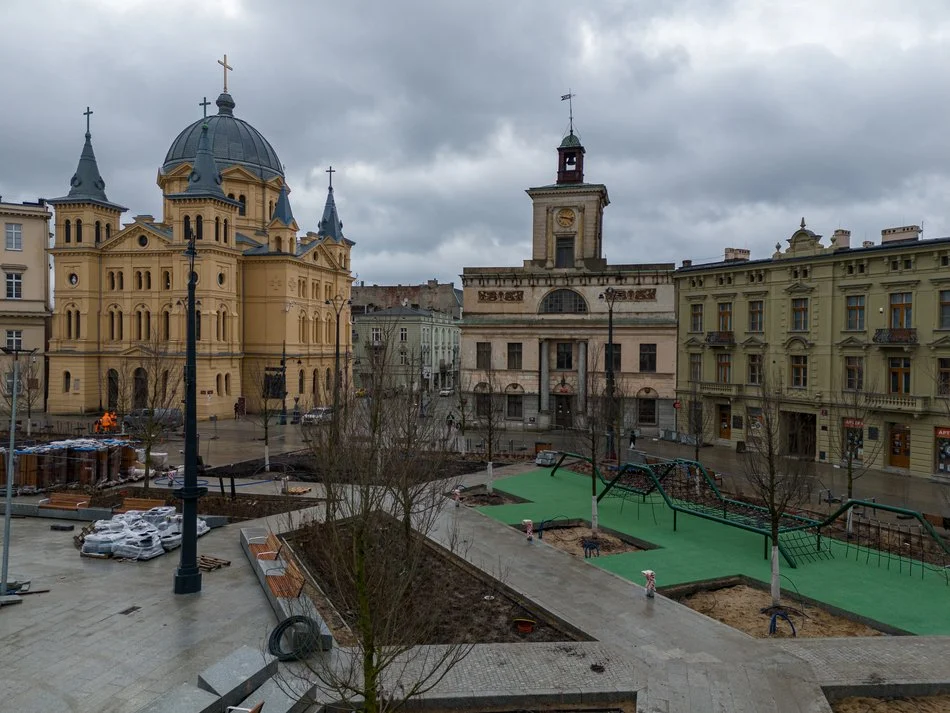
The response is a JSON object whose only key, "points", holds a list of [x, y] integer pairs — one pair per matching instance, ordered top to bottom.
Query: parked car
{"points": [[446, 392], [320, 414], [169, 418], [546, 458]]}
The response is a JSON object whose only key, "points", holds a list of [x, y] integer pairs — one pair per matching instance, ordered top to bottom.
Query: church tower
{"points": [[568, 215], [282, 229]]}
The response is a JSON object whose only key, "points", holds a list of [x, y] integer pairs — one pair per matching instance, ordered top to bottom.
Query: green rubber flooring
{"points": [[912, 599]]}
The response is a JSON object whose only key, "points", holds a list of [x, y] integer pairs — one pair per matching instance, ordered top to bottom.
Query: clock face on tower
{"points": [[565, 217]]}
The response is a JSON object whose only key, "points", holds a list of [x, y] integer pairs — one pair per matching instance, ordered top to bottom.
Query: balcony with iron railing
{"points": [[896, 336], [721, 339], [716, 388]]}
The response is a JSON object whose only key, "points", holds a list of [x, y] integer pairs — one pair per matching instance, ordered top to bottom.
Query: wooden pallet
{"points": [[297, 491], [206, 563]]}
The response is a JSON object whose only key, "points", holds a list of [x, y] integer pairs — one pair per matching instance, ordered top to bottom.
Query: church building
{"points": [[267, 297]]}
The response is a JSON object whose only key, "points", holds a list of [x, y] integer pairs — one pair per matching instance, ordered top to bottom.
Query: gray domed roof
{"points": [[234, 142]]}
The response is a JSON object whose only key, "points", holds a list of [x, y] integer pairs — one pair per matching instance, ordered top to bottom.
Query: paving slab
{"points": [[238, 674], [186, 698]]}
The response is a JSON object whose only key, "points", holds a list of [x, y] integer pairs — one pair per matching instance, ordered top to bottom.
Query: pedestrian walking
{"points": [[633, 439]]}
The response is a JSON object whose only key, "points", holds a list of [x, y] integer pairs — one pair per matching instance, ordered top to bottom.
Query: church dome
{"points": [[234, 142]]}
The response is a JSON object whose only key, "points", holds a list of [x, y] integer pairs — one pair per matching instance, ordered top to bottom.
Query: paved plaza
{"points": [[111, 636]]}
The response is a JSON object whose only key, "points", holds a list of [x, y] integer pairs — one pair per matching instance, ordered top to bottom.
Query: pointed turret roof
{"points": [[204, 181], [86, 185], [282, 211], [330, 225]]}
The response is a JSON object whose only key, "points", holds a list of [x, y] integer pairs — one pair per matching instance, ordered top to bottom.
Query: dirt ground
{"points": [[477, 496], [246, 506], [570, 539], [445, 603], [739, 607], [930, 704]]}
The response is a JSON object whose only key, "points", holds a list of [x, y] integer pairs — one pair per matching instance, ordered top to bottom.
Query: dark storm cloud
{"points": [[712, 123]]}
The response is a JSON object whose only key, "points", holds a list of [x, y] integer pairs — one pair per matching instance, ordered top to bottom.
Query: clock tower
{"points": [[568, 215]]}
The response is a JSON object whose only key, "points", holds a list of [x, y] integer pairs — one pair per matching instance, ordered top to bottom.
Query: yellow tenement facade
{"points": [[265, 296]]}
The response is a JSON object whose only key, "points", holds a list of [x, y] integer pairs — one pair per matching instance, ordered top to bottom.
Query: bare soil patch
{"points": [[477, 496], [245, 506], [571, 540], [457, 603], [740, 607], [860, 704]]}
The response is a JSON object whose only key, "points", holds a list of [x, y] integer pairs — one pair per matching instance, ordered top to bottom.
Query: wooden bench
{"points": [[64, 501], [139, 504], [269, 549], [289, 584], [256, 709]]}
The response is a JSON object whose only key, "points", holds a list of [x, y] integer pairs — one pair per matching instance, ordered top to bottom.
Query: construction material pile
{"points": [[76, 461], [137, 534]]}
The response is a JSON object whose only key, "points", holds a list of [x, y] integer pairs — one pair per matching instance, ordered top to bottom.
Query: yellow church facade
{"points": [[266, 296]]}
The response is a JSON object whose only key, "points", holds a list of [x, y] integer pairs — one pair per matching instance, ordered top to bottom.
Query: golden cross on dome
{"points": [[224, 63]]}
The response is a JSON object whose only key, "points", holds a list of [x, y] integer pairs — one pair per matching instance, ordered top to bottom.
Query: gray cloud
{"points": [[712, 123]]}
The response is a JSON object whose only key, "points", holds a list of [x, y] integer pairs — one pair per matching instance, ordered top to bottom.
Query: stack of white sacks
{"points": [[138, 534]]}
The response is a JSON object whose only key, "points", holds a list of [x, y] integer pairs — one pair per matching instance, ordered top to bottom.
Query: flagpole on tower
{"points": [[569, 97]]}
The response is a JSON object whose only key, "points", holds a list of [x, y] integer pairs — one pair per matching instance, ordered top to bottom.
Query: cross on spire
{"points": [[224, 63], [569, 97], [204, 104], [87, 114], [331, 171]]}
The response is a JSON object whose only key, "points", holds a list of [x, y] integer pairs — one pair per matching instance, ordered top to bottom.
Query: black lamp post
{"points": [[610, 296], [337, 303], [188, 576]]}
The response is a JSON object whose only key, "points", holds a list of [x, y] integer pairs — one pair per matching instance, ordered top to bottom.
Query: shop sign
{"points": [[857, 423], [942, 432]]}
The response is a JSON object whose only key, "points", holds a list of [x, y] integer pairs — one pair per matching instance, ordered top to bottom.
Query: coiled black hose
{"points": [[305, 642]]}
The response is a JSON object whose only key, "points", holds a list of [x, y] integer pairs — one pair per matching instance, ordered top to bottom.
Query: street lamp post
{"points": [[610, 296], [337, 303], [188, 576], [4, 590]]}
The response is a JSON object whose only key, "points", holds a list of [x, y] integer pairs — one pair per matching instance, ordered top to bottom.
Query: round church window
{"points": [[143, 240], [220, 278], [73, 279]]}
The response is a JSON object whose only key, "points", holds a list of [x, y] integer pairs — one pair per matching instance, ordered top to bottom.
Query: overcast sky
{"points": [[712, 123]]}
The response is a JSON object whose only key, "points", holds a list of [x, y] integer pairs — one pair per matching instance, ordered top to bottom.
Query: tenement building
{"points": [[267, 297], [25, 312], [537, 335], [852, 344]]}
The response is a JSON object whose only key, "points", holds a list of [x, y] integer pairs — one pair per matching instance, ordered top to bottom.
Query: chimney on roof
{"points": [[145, 218], [904, 232], [841, 239], [867, 244], [737, 255], [687, 263], [432, 283]]}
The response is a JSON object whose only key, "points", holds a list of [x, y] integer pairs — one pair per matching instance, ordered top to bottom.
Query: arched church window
{"points": [[231, 196], [243, 209], [270, 209], [187, 227], [199, 227], [217, 229], [78, 230], [225, 230], [68, 231], [98, 231], [108, 231], [280, 245], [138, 279], [148, 279], [167, 279], [111, 280], [121, 281], [563, 302], [120, 321], [69, 323], [166, 325], [77, 330], [67, 382], [218, 382], [316, 383], [227, 384]]}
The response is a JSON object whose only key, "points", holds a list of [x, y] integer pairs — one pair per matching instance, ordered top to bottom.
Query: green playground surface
{"points": [[702, 550]]}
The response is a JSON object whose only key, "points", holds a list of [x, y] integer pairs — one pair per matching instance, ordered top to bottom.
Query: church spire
{"points": [[204, 179], [87, 183], [282, 211], [330, 225]]}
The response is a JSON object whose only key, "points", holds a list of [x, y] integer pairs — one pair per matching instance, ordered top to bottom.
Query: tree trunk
{"points": [[266, 457], [148, 464], [490, 485], [594, 523], [776, 588]]}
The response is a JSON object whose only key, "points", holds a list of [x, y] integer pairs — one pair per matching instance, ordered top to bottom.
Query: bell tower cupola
{"points": [[570, 160]]}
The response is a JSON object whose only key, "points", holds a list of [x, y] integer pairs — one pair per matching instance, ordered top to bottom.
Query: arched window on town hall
{"points": [[563, 302]]}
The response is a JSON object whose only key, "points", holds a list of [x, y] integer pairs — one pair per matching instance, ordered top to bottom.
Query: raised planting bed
{"points": [[477, 496], [245, 506], [571, 535], [441, 599], [744, 604], [862, 704]]}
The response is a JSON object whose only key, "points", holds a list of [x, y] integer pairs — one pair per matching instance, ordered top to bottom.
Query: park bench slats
{"points": [[64, 501], [139, 504], [267, 550], [289, 584]]}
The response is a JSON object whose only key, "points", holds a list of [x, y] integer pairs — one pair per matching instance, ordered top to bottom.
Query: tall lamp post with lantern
{"points": [[610, 296]]}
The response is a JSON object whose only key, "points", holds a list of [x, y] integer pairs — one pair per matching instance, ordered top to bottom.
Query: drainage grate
{"points": [[130, 610]]}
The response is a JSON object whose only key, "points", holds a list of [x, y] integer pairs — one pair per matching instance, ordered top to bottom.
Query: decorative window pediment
{"points": [[799, 288]]}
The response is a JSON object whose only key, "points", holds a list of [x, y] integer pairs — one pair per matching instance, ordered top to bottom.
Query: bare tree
{"points": [[156, 390], [268, 390], [29, 391], [850, 410], [489, 415], [700, 421], [591, 433], [780, 482], [370, 553]]}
